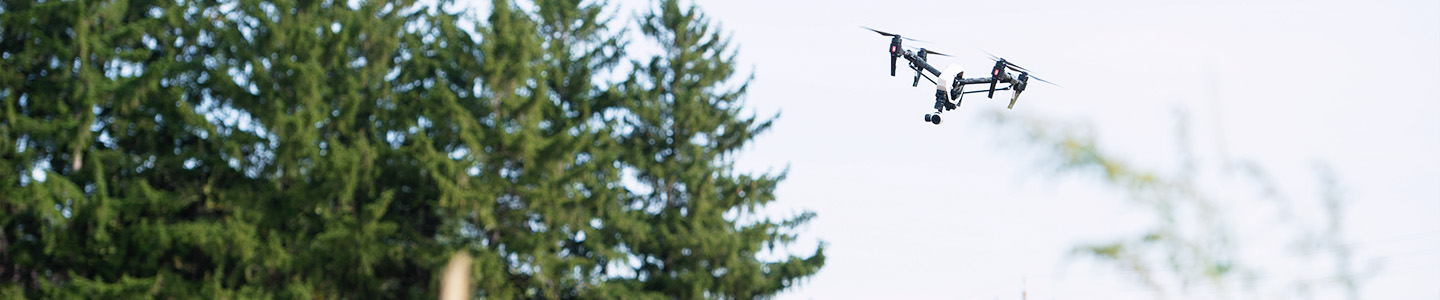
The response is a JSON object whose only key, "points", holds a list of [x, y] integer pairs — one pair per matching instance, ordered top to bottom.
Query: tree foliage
{"points": [[684, 122], [325, 149], [1194, 248]]}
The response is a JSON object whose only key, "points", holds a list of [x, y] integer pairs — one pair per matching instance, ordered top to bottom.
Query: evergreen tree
{"points": [[310, 78], [90, 138], [201, 148], [327, 149], [547, 151], [567, 184], [697, 240]]}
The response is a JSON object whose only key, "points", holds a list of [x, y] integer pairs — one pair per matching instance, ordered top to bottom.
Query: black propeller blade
{"points": [[880, 32], [890, 34], [992, 56], [1045, 81]]}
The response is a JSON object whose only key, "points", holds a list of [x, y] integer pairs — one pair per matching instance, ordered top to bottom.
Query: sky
{"points": [[963, 210], [960, 211]]}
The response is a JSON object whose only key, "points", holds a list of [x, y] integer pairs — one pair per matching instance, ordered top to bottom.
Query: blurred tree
{"points": [[1193, 249]]}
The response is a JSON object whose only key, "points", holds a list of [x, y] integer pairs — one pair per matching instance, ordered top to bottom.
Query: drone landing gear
{"points": [[933, 118]]}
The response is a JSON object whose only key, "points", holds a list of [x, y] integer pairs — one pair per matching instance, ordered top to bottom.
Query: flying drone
{"points": [[947, 96]]}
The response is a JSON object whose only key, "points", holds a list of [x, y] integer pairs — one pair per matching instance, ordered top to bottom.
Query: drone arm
{"points": [[915, 60], [975, 80], [979, 80], [985, 91]]}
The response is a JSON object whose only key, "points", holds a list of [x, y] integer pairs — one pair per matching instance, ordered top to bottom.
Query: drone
{"points": [[947, 96]]}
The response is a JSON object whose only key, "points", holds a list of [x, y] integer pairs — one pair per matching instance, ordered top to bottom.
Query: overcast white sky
{"points": [[913, 210]]}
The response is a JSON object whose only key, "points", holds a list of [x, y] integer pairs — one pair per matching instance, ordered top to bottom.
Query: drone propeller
{"points": [[890, 34], [895, 46], [992, 55], [1008, 64], [1014, 67], [1030, 75], [1045, 81]]}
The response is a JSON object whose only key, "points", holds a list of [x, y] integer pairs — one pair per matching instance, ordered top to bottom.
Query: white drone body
{"points": [[948, 79]]}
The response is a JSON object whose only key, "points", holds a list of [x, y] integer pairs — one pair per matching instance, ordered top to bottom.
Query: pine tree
{"points": [[580, 47], [686, 121], [88, 137], [198, 148], [324, 149], [547, 154], [570, 182], [345, 193]]}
